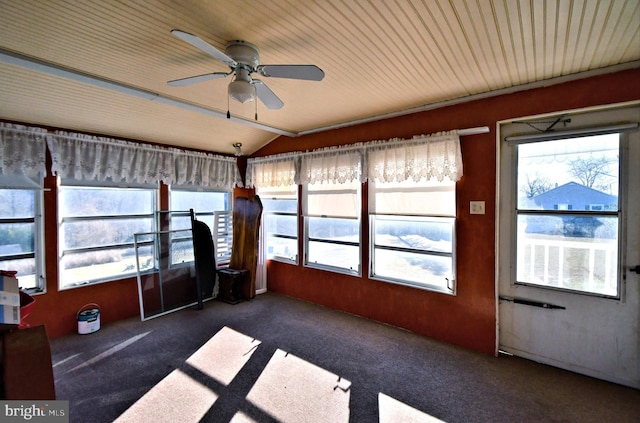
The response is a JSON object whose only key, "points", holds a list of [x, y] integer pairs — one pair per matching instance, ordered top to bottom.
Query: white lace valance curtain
{"points": [[22, 152], [86, 157], [90, 158], [423, 158], [336, 165], [206, 170], [273, 171]]}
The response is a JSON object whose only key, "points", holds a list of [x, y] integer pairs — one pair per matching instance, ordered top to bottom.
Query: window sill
{"points": [[332, 269], [422, 287]]}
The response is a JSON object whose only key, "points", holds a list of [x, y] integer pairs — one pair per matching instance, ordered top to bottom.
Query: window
{"points": [[207, 206], [567, 214], [280, 222], [332, 225], [96, 231], [413, 233], [20, 236]]}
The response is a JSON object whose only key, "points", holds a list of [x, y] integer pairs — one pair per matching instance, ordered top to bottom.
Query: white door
{"points": [[568, 233]]}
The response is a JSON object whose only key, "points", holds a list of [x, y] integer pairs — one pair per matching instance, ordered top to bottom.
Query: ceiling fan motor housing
{"points": [[244, 53]]}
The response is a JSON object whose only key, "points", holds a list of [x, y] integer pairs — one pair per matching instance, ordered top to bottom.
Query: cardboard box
{"points": [[9, 302]]}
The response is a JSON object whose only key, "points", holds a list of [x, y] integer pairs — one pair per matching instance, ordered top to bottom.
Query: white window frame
{"points": [[598, 121], [278, 194], [416, 196], [558, 212], [62, 219], [221, 226], [307, 239], [38, 254], [449, 285]]}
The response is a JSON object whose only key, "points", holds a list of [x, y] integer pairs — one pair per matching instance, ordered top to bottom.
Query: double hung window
{"points": [[22, 167], [207, 206], [412, 209], [280, 222], [332, 225], [96, 231], [413, 233], [20, 234]]}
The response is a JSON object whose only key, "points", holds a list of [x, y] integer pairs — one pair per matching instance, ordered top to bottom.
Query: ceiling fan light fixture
{"points": [[242, 91]]}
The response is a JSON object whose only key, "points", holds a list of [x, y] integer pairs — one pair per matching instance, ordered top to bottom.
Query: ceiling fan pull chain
{"points": [[256, 102], [228, 111]]}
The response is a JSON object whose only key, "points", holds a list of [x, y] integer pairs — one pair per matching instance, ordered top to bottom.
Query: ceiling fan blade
{"points": [[204, 46], [305, 72], [195, 79], [268, 97]]}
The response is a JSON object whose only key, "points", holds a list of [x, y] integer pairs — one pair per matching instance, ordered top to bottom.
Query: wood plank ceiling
{"points": [[379, 57]]}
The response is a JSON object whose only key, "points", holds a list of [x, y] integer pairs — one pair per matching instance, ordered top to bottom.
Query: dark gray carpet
{"points": [[104, 373]]}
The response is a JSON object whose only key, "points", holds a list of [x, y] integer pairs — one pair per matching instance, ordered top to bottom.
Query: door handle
{"points": [[635, 269], [532, 303]]}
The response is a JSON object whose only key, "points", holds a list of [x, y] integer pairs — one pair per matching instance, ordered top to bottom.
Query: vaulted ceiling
{"points": [[102, 66]]}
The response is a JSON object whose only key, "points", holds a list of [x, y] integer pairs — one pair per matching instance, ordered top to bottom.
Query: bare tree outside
{"points": [[592, 172], [536, 185]]}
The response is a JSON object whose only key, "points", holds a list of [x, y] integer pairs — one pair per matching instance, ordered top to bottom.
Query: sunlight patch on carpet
{"points": [[111, 351], [224, 355], [64, 360], [293, 390], [176, 398], [391, 410], [241, 417]]}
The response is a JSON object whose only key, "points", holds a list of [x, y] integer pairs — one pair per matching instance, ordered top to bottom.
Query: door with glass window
{"points": [[569, 288]]}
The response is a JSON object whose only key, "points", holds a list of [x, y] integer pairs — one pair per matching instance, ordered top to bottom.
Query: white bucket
{"points": [[88, 319]]}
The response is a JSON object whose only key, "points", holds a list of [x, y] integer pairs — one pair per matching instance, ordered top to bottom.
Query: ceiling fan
{"points": [[243, 60]]}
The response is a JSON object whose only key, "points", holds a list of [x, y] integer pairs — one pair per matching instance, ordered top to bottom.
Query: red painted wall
{"points": [[467, 319]]}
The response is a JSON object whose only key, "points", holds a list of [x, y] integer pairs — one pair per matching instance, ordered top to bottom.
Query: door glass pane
{"points": [[569, 174], [567, 223], [569, 252]]}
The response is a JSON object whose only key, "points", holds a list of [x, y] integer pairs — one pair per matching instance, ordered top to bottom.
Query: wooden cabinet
{"points": [[27, 372]]}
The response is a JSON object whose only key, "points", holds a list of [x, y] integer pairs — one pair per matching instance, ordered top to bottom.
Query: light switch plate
{"points": [[476, 207]]}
